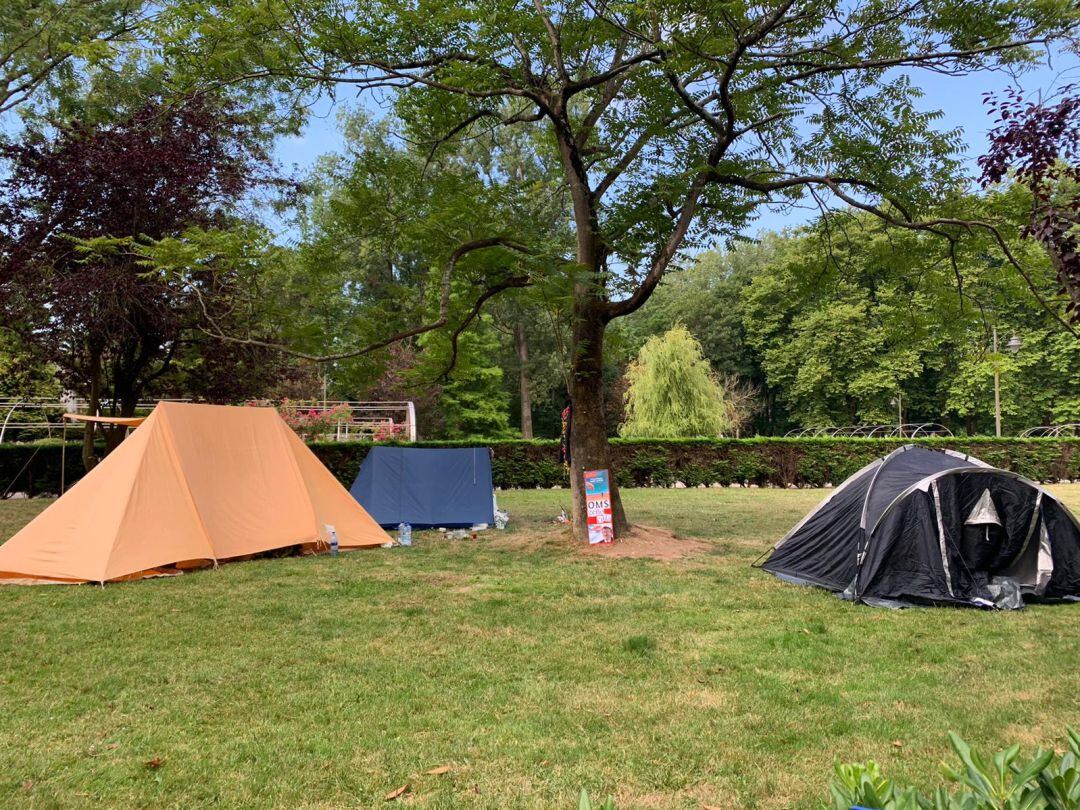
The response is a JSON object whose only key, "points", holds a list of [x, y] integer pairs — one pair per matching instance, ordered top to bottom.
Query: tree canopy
{"points": [[49, 47], [671, 124], [79, 207]]}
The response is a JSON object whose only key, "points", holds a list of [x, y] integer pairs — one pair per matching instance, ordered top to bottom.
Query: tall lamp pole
{"points": [[1013, 346], [997, 388]]}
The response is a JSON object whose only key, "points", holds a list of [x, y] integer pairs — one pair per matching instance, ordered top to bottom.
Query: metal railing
{"points": [[30, 419], [26, 420], [342, 420], [913, 430], [1052, 431]]}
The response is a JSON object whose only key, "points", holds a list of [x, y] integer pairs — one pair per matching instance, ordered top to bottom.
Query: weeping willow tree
{"points": [[673, 391]]}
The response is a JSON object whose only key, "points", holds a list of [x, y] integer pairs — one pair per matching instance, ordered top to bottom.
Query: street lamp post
{"points": [[1013, 346], [997, 388]]}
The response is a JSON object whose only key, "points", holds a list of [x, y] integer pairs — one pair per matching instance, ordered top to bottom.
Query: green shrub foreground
{"points": [[519, 464], [1046, 781]]}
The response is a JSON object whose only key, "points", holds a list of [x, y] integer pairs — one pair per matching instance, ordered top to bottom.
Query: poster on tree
{"points": [[598, 507]]}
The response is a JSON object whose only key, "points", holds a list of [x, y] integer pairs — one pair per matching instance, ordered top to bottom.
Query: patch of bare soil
{"points": [[554, 539], [643, 542], [649, 542]]}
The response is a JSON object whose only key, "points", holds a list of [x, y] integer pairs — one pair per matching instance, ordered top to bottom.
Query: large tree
{"points": [[672, 122], [1037, 143], [78, 208], [378, 221]]}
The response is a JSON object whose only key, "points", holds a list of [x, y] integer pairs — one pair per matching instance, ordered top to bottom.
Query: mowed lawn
{"points": [[529, 669]]}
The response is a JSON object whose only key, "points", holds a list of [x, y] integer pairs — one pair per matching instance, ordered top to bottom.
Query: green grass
{"points": [[529, 669]]}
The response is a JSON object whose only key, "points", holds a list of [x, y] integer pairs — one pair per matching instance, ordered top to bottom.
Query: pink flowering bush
{"points": [[312, 423], [388, 431]]}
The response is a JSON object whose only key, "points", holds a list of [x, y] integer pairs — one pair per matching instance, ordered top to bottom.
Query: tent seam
{"points": [[283, 436], [870, 489], [187, 490], [123, 515], [941, 539]]}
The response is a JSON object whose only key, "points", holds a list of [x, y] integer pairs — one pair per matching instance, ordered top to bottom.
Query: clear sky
{"points": [[959, 98]]}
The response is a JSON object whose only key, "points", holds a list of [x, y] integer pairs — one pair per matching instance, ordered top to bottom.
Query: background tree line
{"points": [[536, 175], [116, 256]]}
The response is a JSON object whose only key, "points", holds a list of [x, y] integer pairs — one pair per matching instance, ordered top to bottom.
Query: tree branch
{"points": [[933, 225], [506, 284], [444, 310]]}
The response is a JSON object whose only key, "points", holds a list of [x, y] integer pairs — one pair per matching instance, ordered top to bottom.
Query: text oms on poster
{"points": [[598, 506]]}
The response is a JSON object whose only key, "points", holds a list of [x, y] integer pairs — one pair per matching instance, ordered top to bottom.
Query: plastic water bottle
{"points": [[404, 534]]}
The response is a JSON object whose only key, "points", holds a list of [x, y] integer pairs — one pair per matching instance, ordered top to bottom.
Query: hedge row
{"points": [[35, 468]]}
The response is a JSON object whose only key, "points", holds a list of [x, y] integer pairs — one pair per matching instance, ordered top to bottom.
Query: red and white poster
{"points": [[598, 507]]}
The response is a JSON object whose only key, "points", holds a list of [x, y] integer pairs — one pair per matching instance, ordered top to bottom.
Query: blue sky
{"points": [[959, 98]]}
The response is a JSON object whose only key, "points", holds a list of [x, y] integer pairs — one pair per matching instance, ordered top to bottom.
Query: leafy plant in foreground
{"points": [[1046, 781], [585, 803]]}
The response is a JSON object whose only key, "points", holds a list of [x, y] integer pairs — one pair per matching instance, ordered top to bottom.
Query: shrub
{"points": [[673, 391], [311, 423], [636, 462], [1046, 781]]}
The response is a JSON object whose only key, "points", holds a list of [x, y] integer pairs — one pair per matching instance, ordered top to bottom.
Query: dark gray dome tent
{"points": [[930, 527]]}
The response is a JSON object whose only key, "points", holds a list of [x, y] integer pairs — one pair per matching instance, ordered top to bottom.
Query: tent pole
{"points": [[63, 457]]}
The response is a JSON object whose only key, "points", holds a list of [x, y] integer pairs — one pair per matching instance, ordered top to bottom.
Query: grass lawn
{"points": [[529, 669]]}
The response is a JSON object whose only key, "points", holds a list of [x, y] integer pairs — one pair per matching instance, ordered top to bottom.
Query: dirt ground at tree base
{"points": [[643, 542], [649, 542]]}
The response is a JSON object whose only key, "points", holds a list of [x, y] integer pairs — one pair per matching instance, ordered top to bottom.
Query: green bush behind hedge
{"points": [[35, 468]]}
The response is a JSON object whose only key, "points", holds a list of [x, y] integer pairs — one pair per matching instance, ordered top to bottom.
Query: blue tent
{"points": [[426, 487]]}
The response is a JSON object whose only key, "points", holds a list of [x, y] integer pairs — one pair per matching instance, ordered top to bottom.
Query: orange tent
{"points": [[194, 484]]}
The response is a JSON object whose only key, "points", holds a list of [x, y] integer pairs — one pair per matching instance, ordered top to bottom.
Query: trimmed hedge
{"points": [[35, 468]]}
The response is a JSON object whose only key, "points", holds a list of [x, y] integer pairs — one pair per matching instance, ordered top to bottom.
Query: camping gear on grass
{"points": [[193, 485], [427, 487], [935, 527]]}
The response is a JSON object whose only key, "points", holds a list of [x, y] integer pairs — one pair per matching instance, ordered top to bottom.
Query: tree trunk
{"points": [[521, 345], [94, 401], [588, 431], [115, 435], [588, 435]]}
